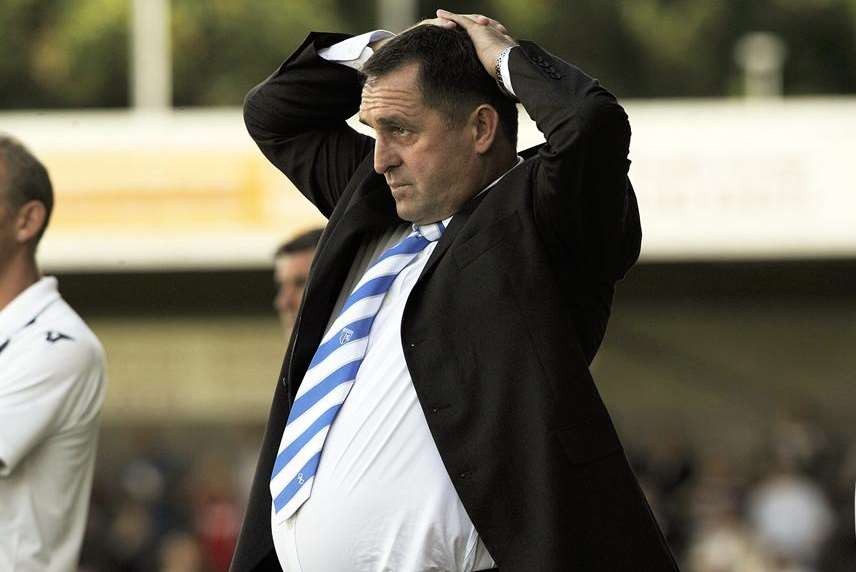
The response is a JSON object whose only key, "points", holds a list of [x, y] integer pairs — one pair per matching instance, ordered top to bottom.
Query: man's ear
{"points": [[485, 126], [29, 221]]}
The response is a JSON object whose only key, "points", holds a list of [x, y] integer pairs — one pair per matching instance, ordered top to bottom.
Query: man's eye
{"points": [[400, 130]]}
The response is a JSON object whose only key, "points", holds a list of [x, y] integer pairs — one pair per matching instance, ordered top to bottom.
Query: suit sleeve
{"points": [[297, 117], [584, 202]]}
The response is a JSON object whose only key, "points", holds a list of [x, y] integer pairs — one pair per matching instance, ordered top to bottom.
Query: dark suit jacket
{"points": [[503, 323]]}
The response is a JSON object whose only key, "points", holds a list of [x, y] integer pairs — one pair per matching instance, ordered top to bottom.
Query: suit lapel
{"points": [[467, 215], [458, 222]]}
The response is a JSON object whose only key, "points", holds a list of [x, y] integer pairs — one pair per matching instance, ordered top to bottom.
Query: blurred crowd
{"points": [[170, 500], [173, 501], [787, 508]]}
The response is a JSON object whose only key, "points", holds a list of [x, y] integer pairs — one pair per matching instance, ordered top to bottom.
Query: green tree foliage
{"points": [[223, 47], [684, 48], [63, 53], [74, 53]]}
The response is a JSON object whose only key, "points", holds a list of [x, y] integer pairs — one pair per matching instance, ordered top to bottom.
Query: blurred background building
{"points": [[729, 365]]}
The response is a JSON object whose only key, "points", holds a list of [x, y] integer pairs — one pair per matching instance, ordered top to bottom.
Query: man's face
{"points": [[430, 166], [8, 244], [290, 274]]}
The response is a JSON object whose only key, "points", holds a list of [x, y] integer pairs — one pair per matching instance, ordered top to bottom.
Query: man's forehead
{"points": [[407, 73], [398, 87], [295, 258]]}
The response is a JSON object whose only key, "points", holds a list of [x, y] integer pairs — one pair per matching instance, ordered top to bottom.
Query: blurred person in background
{"points": [[292, 261], [52, 385], [472, 435], [791, 515], [217, 516], [724, 544], [180, 552], [839, 552]]}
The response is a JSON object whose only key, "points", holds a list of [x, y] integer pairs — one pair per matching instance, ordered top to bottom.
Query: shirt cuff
{"points": [[355, 51], [504, 74]]}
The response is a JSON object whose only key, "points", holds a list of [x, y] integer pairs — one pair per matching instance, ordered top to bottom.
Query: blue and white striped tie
{"points": [[332, 373]]}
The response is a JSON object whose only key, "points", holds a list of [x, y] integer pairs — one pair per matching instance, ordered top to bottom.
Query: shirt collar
{"points": [[499, 178], [27, 305]]}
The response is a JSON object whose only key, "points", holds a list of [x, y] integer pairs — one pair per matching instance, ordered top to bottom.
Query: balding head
{"points": [[23, 179]]}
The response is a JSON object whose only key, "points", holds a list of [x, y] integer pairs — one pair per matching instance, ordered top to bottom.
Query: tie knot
{"points": [[430, 232]]}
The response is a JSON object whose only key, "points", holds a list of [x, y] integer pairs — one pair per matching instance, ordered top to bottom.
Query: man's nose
{"points": [[384, 157], [292, 299], [280, 301]]}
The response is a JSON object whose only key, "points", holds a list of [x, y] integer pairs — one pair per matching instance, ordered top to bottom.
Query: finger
{"points": [[478, 19], [482, 20], [463, 21], [442, 22], [495, 23]]}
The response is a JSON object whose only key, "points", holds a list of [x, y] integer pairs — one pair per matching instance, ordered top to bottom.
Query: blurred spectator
{"points": [[291, 270], [799, 441], [715, 492], [168, 499], [171, 500], [791, 516], [217, 517], [132, 537], [724, 544], [180, 552], [839, 552]]}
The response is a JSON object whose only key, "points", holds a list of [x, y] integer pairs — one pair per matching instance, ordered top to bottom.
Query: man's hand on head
{"points": [[442, 22], [489, 36]]}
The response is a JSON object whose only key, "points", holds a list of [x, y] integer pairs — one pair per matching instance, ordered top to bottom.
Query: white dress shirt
{"points": [[51, 389], [381, 498]]}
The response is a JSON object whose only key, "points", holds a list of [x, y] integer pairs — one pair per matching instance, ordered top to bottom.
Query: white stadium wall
{"points": [[716, 180]]}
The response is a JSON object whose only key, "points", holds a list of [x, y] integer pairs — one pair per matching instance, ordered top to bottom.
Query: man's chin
{"points": [[404, 212], [286, 322]]}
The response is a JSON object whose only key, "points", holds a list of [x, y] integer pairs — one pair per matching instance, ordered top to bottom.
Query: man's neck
{"points": [[497, 167], [19, 274]]}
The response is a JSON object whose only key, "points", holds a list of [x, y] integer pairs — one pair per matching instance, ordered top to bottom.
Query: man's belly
{"points": [[382, 499]]}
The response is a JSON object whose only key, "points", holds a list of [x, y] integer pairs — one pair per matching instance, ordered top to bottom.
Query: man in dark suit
{"points": [[472, 436]]}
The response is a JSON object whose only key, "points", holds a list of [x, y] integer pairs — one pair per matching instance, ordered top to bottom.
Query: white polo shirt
{"points": [[51, 389]]}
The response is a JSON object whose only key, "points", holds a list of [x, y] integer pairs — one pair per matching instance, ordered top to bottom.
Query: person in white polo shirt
{"points": [[51, 385]]}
